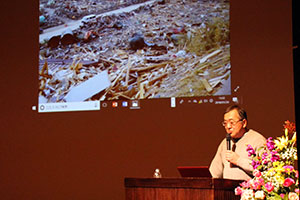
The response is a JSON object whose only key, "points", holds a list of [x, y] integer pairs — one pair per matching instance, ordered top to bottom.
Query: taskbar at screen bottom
{"points": [[136, 103]]}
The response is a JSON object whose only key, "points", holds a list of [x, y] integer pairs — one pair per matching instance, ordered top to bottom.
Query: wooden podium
{"points": [[180, 189]]}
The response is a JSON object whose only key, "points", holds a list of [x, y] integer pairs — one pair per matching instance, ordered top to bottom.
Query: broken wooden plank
{"points": [[205, 58], [157, 59], [149, 67], [128, 70], [158, 78], [214, 81], [206, 85], [88, 88], [142, 91]]}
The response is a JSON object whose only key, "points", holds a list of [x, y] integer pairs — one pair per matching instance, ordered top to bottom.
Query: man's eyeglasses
{"points": [[231, 122]]}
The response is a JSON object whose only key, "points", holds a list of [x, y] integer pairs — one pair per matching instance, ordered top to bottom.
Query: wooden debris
{"points": [[205, 58], [156, 59], [149, 67], [128, 70], [44, 71], [158, 78], [206, 85], [88, 88]]}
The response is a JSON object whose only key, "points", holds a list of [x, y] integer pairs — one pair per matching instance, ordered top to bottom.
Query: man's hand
{"points": [[232, 157]]}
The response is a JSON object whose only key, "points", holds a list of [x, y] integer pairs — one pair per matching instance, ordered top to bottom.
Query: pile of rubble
{"points": [[57, 12], [169, 48]]}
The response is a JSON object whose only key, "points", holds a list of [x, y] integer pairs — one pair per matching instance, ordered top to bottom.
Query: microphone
{"points": [[228, 138]]}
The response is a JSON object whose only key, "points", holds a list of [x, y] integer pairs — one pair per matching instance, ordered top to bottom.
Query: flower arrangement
{"points": [[274, 175]]}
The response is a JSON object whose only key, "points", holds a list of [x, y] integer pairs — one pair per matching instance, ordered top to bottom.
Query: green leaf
{"points": [[259, 167]]}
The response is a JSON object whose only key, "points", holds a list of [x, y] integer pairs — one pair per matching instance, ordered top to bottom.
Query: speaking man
{"points": [[231, 160]]}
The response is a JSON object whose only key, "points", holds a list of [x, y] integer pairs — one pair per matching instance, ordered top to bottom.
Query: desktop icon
{"points": [[104, 104], [114, 104], [124, 104], [134, 104]]}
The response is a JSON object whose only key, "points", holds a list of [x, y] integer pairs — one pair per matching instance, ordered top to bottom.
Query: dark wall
{"points": [[296, 57], [86, 155]]}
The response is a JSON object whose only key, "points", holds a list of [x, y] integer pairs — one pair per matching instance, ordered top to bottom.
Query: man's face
{"points": [[234, 125]]}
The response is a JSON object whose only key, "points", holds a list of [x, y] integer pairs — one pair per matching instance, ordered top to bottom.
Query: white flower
{"points": [[259, 194], [247, 195], [293, 196]]}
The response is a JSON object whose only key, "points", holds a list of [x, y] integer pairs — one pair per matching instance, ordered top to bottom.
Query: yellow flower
{"points": [[294, 138], [281, 142], [277, 163], [277, 169], [271, 172], [279, 178]]}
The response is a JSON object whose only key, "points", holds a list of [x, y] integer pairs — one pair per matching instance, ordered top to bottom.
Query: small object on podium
{"points": [[157, 174]]}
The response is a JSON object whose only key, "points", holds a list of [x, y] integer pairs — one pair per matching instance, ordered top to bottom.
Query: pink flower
{"points": [[270, 144], [250, 150], [275, 156], [255, 164], [288, 168], [256, 173], [261, 181], [288, 182], [245, 184], [255, 184], [269, 186], [297, 190], [238, 191], [282, 195], [293, 196]]}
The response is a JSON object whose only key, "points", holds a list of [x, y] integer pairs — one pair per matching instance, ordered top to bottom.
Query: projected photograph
{"points": [[133, 49]]}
